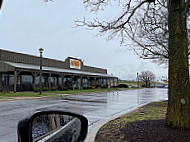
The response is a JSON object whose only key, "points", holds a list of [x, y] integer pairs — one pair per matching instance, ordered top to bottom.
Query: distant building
{"points": [[20, 72]]}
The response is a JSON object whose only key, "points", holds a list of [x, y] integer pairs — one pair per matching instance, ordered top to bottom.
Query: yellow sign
{"points": [[75, 64]]}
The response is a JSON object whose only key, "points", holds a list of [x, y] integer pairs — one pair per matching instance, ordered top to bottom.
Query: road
{"points": [[95, 107]]}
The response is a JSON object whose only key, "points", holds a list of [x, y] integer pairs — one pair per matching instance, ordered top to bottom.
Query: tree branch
{"points": [[1, 1], [187, 6]]}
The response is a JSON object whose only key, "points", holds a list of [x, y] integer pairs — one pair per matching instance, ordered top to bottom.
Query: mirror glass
{"points": [[50, 127]]}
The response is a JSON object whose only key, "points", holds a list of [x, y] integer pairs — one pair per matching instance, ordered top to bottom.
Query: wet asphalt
{"points": [[95, 106]]}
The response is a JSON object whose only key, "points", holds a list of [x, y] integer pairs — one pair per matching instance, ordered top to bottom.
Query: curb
{"points": [[30, 98], [96, 126]]}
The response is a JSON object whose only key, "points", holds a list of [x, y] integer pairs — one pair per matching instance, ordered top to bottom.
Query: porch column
{"points": [[8, 77], [34, 79], [15, 80], [88, 80], [62, 81], [72, 81], [101, 81], [115, 81], [49, 82], [81, 82], [95, 82], [57, 83], [109, 83], [1, 89]]}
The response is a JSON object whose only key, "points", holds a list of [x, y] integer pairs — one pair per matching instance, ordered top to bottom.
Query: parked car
{"points": [[123, 86], [134, 86]]}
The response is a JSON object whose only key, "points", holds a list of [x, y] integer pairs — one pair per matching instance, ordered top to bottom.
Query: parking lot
{"points": [[95, 106]]}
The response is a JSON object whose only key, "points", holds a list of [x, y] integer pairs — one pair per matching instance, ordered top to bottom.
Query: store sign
{"points": [[75, 64]]}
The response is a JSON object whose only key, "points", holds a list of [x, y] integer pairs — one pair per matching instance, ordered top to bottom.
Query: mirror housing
{"points": [[24, 128]]}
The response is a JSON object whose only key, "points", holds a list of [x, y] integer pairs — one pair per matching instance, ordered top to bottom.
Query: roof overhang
{"points": [[31, 67]]}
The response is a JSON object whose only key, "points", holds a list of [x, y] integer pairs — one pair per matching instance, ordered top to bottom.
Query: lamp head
{"points": [[41, 50]]}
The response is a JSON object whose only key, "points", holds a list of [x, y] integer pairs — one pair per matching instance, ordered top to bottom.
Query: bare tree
{"points": [[1, 1], [146, 25], [153, 30], [149, 32], [174, 48], [147, 77], [178, 112]]}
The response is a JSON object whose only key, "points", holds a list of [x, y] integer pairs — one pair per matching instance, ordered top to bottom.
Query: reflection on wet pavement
{"points": [[95, 106]]}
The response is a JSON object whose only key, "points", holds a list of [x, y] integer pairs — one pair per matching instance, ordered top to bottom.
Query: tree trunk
{"points": [[178, 112]]}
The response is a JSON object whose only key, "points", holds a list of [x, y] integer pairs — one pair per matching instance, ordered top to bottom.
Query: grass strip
{"points": [[85, 91], [24, 94], [6, 95], [112, 130]]}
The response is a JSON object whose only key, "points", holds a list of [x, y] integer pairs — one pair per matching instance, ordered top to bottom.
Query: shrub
{"points": [[98, 86], [105, 86], [123, 86], [70, 88], [76, 88], [85, 88], [36, 89], [45, 89], [53, 89], [64, 89], [5, 91]]}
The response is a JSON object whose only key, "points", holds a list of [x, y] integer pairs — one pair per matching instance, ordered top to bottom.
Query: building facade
{"points": [[20, 72]]}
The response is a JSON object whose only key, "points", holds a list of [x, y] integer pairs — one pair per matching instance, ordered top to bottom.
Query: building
{"points": [[20, 72]]}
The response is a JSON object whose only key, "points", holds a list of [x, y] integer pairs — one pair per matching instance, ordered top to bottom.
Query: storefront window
{"points": [[7, 79], [26, 79], [38, 80]]}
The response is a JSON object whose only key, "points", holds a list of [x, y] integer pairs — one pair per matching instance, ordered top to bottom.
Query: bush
{"points": [[98, 86], [105, 86], [123, 86], [70, 88], [76, 88], [85, 88], [36, 89], [45, 89], [53, 89], [64, 89], [5, 92]]}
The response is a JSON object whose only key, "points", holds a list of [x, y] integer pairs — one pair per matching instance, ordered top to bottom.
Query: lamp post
{"points": [[41, 51], [138, 79]]}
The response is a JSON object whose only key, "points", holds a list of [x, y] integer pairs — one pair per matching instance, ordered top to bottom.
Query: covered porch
{"points": [[19, 77]]}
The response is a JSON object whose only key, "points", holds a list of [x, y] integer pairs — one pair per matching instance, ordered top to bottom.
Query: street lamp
{"points": [[41, 51], [138, 79]]}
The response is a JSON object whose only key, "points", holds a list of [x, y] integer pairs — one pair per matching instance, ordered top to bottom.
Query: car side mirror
{"points": [[53, 126]]}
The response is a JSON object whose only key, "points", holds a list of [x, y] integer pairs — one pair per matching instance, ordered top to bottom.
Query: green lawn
{"points": [[130, 83], [84, 91], [53, 93], [24, 94], [112, 131]]}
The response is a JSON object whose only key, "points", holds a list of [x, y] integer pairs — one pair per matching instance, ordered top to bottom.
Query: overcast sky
{"points": [[27, 25]]}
